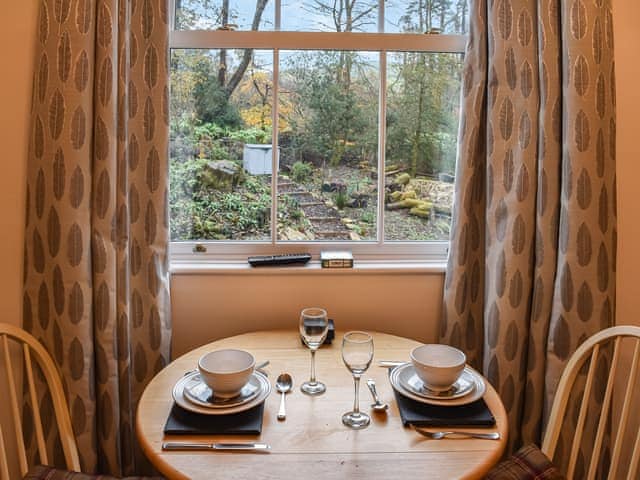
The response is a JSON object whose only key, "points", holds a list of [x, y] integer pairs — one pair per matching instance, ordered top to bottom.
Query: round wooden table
{"points": [[312, 442]]}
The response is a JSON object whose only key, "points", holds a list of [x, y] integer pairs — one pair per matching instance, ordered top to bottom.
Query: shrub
{"points": [[301, 171], [341, 200], [368, 217]]}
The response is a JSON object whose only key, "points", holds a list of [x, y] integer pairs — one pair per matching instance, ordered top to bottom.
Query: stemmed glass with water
{"points": [[314, 325], [357, 354]]}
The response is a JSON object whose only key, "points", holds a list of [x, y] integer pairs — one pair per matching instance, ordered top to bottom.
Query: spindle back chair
{"points": [[591, 349], [32, 350]]}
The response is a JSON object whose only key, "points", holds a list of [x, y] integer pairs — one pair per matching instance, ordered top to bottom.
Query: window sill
{"points": [[311, 268]]}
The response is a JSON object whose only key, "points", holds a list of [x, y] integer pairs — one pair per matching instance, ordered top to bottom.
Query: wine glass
{"points": [[313, 329], [357, 353]]}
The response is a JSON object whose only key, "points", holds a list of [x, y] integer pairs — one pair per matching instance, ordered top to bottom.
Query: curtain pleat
{"points": [[96, 262], [531, 270]]}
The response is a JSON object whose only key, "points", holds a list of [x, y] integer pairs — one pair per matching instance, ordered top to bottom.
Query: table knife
{"points": [[253, 447]]}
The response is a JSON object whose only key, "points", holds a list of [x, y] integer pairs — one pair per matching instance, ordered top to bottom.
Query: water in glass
{"points": [[314, 325]]}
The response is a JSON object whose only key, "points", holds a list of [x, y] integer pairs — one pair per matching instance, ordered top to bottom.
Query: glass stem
{"points": [[312, 380], [356, 402]]}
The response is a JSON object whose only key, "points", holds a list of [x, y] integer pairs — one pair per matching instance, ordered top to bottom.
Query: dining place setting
{"points": [[437, 389], [435, 393], [265, 403]]}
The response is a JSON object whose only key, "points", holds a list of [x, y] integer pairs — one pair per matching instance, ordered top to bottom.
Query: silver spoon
{"points": [[284, 383], [378, 405]]}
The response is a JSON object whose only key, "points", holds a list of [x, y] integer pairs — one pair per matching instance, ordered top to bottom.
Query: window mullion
{"points": [[172, 15], [382, 133], [275, 150], [275, 173]]}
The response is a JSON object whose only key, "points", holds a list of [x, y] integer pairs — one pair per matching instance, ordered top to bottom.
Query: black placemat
{"points": [[475, 414], [183, 422]]}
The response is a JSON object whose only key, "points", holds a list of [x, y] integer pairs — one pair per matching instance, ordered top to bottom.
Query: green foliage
{"points": [[212, 104], [328, 115], [336, 115], [422, 115], [251, 135], [301, 171], [340, 199], [198, 212], [368, 217]]}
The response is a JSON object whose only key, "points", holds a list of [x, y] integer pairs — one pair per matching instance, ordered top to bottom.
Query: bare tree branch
{"points": [[235, 79]]}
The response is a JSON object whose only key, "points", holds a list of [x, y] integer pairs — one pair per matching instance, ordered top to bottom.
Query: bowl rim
{"points": [[460, 364], [201, 368]]}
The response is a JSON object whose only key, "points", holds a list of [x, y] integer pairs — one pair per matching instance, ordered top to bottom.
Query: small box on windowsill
{"points": [[341, 259]]}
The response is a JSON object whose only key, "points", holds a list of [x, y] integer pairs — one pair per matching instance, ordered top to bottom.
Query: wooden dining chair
{"points": [[591, 349], [32, 350]]}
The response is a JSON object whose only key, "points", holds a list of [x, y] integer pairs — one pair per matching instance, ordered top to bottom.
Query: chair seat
{"points": [[528, 463], [43, 472]]}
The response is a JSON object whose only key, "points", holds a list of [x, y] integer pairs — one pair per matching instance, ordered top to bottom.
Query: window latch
{"points": [[199, 248]]}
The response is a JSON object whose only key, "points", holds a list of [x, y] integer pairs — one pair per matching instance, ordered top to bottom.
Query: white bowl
{"points": [[438, 366], [226, 371]]}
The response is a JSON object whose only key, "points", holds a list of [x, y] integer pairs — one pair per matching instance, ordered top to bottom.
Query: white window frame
{"points": [[275, 40]]}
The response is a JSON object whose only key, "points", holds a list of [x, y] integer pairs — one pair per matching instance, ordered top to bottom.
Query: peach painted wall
{"points": [[627, 38], [17, 41], [627, 42], [215, 307]]}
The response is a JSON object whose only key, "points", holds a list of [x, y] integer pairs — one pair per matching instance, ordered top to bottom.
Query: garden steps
{"points": [[297, 193], [325, 220], [335, 234]]}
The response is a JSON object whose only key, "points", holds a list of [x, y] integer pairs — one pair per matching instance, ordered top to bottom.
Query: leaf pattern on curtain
{"points": [[96, 265], [531, 272]]}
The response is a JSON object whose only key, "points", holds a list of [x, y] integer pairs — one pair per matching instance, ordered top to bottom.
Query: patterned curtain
{"points": [[96, 272], [531, 272]]}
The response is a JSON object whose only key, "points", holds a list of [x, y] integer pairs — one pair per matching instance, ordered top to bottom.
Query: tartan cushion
{"points": [[528, 463], [43, 472]]}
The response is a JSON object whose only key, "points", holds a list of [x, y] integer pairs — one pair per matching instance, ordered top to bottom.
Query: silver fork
{"points": [[456, 434]]}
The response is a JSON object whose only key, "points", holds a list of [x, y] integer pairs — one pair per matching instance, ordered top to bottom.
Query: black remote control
{"points": [[285, 259]]}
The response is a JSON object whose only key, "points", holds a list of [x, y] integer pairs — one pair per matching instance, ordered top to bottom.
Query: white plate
{"points": [[399, 376], [460, 388], [198, 392], [182, 401]]}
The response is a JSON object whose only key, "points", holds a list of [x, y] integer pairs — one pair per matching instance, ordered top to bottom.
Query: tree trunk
{"points": [[235, 79], [415, 151]]}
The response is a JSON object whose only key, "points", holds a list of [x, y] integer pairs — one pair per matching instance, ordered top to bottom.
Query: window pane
{"points": [[214, 14], [330, 16], [436, 16], [423, 100], [220, 115], [328, 138]]}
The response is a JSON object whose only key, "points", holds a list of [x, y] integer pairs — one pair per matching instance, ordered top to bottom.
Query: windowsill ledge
{"points": [[311, 268]]}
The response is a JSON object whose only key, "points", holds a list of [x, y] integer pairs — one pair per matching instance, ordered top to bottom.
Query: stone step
{"points": [[299, 192], [310, 204], [323, 219], [331, 233]]}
